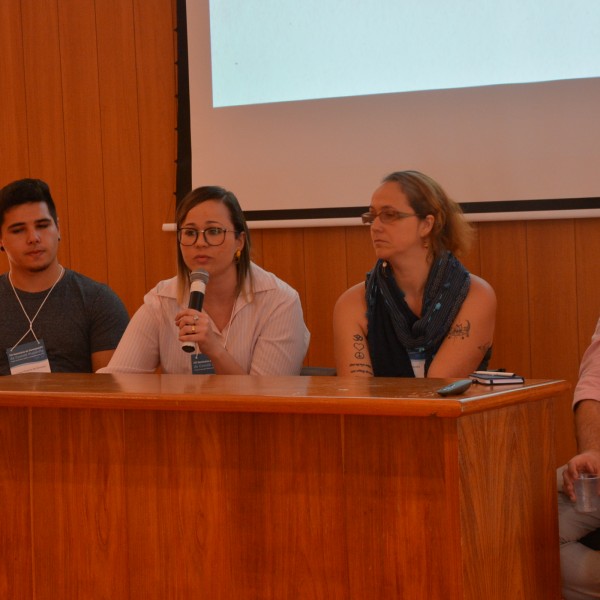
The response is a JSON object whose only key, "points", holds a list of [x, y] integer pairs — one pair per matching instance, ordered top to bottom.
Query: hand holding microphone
{"points": [[198, 281]]}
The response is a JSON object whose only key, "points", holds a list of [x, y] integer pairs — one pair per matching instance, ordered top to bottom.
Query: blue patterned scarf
{"points": [[394, 330]]}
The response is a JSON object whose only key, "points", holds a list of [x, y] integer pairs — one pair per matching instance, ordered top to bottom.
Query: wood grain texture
{"points": [[155, 72], [13, 113], [45, 131], [120, 131], [82, 203], [256, 248], [283, 254], [360, 256], [587, 257], [472, 260], [326, 270], [506, 271], [552, 297], [553, 315], [240, 393], [509, 501], [182, 502], [78, 504], [402, 509], [16, 567]]}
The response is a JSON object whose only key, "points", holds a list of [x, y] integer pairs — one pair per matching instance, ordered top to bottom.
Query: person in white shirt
{"points": [[251, 321]]}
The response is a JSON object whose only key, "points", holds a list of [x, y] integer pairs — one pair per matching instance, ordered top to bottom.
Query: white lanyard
{"points": [[62, 270]]}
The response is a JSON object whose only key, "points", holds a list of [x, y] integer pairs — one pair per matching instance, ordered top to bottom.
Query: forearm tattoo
{"points": [[460, 330], [360, 353]]}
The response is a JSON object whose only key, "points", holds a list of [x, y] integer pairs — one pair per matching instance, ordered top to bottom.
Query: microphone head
{"points": [[199, 275]]}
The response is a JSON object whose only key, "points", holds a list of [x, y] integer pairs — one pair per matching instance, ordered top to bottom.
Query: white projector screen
{"points": [[300, 107]]}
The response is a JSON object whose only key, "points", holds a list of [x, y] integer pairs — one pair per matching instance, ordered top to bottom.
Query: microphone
{"points": [[198, 281]]}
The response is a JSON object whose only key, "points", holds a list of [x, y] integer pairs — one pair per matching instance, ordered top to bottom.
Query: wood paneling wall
{"points": [[87, 93], [88, 103]]}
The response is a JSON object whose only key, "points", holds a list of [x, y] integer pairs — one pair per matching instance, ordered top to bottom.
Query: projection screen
{"points": [[301, 107]]}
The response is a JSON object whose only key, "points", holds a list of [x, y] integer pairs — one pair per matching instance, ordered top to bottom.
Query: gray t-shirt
{"points": [[80, 317]]}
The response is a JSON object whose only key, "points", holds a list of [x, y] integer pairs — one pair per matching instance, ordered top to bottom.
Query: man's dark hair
{"points": [[23, 191]]}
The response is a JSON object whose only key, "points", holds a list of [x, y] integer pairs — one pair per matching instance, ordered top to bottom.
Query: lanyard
{"points": [[62, 270]]}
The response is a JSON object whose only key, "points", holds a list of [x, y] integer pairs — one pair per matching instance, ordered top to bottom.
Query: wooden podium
{"points": [[275, 488]]}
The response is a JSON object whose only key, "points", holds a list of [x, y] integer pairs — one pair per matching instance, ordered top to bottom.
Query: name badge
{"points": [[28, 358], [417, 360], [202, 365]]}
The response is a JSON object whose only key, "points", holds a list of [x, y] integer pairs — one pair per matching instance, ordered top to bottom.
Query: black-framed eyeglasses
{"points": [[387, 215], [213, 236]]}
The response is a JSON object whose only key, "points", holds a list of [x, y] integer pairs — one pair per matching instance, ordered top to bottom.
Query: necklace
{"points": [[62, 270]]}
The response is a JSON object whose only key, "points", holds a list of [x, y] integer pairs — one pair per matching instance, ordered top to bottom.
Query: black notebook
{"points": [[499, 378]]}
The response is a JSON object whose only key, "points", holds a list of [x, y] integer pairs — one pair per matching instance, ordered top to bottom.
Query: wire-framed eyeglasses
{"points": [[387, 215], [213, 236]]}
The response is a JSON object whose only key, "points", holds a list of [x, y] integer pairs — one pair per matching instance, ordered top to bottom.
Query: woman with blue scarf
{"points": [[420, 312]]}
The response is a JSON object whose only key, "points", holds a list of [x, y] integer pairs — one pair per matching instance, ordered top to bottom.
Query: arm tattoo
{"points": [[460, 330], [360, 347]]}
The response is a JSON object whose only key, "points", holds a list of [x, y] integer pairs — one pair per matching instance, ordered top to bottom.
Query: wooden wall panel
{"points": [[155, 42], [44, 101], [120, 130], [14, 150], [84, 198], [256, 246], [283, 254], [587, 255], [360, 256], [472, 260], [504, 267], [326, 279], [552, 298], [15, 515]]}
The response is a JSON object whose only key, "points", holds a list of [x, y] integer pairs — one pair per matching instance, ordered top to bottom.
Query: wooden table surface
{"points": [[242, 393]]}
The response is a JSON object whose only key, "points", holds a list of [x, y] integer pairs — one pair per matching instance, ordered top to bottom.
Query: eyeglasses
{"points": [[387, 215], [213, 236]]}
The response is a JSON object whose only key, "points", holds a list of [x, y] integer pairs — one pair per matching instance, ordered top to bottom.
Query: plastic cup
{"points": [[587, 492]]}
